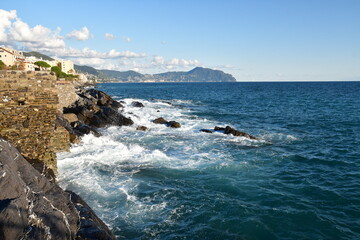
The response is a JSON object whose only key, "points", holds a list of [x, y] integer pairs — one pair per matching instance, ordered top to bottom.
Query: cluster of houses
{"points": [[11, 57]]}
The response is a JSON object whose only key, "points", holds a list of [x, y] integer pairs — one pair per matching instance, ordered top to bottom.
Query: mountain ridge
{"points": [[198, 74]]}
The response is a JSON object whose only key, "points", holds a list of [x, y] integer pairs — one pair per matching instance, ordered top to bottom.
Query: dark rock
{"points": [[98, 97], [116, 104], [137, 104], [97, 109], [109, 116], [160, 121], [173, 124], [142, 128], [216, 128], [83, 129], [205, 130], [228, 130], [234, 132], [74, 134], [41, 167], [32, 207], [91, 227]]}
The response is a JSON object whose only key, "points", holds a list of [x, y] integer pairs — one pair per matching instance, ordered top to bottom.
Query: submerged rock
{"points": [[137, 104], [173, 124], [142, 128], [216, 128], [206, 130], [234, 132]]}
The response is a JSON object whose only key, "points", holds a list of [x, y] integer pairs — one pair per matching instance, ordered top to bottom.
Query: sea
{"points": [[299, 180]]}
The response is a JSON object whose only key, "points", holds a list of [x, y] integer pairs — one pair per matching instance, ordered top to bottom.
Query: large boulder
{"points": [[97, 109], [160, 120], [32, 207]]}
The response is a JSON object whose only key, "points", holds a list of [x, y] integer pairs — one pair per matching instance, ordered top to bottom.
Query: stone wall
{"points": [[28, 108]]}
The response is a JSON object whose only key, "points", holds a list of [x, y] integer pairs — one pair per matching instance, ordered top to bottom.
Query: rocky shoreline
{"points": [[32, 205]]}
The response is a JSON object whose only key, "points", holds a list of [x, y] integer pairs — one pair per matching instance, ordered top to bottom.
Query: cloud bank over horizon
{"points": [[17, 34]]}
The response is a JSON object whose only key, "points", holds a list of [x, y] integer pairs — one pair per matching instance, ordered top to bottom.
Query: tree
{"points": [[42, 64], [2, 65], [58, 72]]}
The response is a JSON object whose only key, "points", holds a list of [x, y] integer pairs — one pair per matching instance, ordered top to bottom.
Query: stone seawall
{"points": [[28, 107]]}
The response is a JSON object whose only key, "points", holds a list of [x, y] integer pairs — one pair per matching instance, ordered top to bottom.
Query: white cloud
{"points": [[5, 22], [13, 29], [15, 32], [81, 35], [109, 36], [36, 37], [127, 39], [89, 53], [159, 61], [95, 62]]}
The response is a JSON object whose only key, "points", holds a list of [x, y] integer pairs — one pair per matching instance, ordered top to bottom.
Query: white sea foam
{"points": [[104, 167]]}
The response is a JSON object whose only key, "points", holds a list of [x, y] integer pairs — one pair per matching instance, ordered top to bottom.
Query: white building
{"points": [[10, 56], [67, 66]]}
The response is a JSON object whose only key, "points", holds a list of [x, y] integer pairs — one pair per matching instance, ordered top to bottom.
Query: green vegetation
{"points": [[42, 64], [2, 65], [61, 74]]}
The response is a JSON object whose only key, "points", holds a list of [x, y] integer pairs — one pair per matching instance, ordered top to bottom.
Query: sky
{"points": [[254, 40]]}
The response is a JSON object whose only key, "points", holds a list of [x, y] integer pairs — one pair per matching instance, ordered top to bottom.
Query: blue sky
{"points": [[251, 39]]}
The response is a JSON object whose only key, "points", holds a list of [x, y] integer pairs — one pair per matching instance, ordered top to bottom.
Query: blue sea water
{"points": [[300, 181]]}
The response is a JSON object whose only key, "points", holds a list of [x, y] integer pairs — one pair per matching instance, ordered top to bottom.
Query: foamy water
{"points": [[168, 183]]}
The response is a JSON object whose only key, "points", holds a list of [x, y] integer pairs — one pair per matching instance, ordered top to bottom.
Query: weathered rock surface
{"points": [[66, 93], [71, 117], [32, 207], [91, 227]]}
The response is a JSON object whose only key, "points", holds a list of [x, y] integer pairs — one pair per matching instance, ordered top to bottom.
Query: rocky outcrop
{"points": [[96, 109], [172, 124], [232, 131], [32, 207]]}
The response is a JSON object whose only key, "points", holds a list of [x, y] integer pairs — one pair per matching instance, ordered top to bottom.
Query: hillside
{"points": [[38, 55], [197, 74]]}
